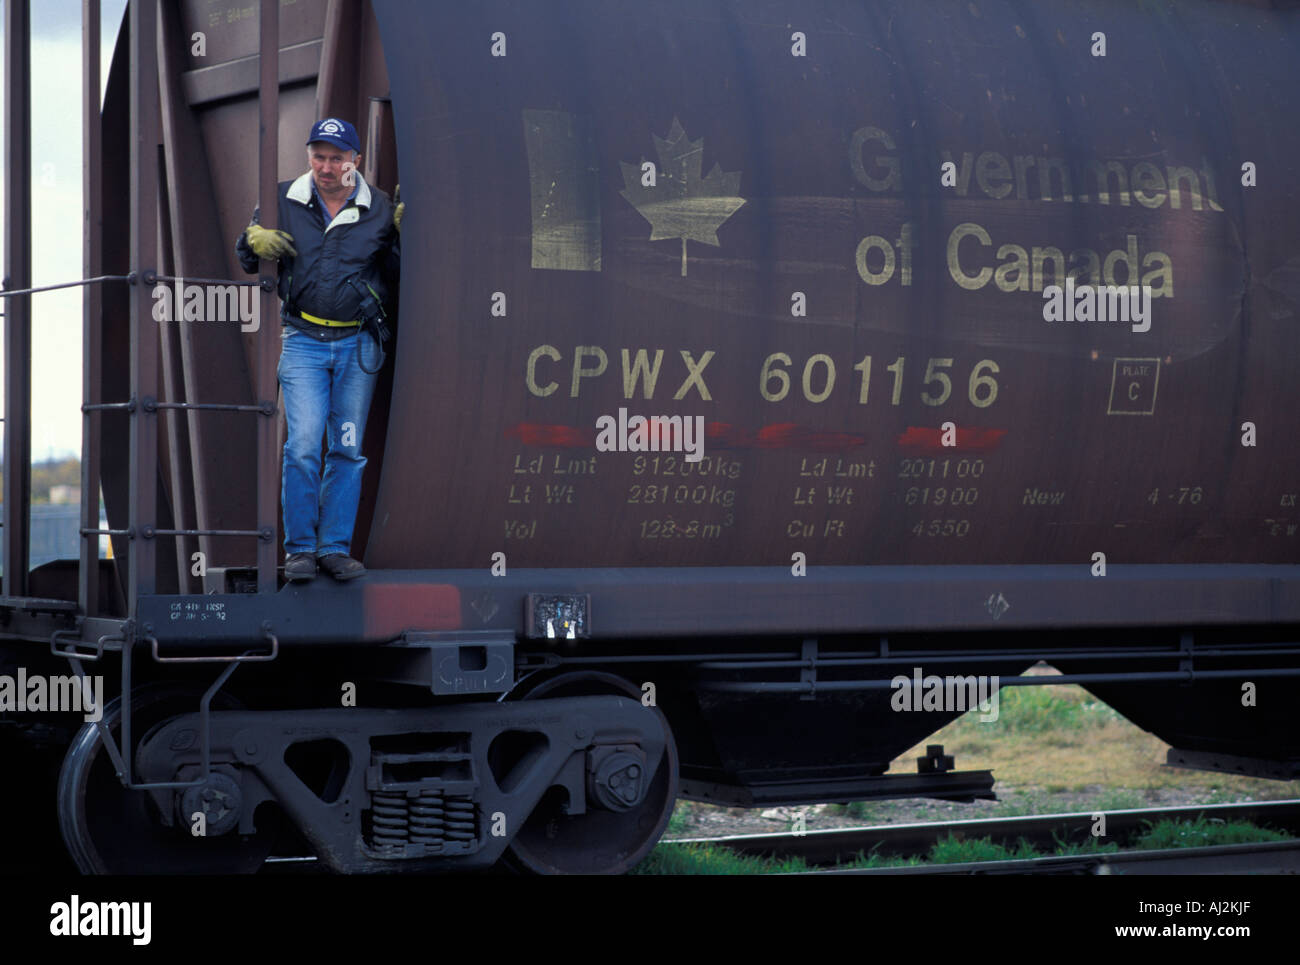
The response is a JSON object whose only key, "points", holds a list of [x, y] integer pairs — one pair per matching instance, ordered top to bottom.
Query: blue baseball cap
{"points": [[341, 134]]}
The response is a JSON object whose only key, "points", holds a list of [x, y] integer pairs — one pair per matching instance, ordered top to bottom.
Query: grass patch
{"points": [[1041, 709], [1118, 799], [682, 821], [1202, 833], [1090, 846], [953, 850], [709, 859], [875, 860]]}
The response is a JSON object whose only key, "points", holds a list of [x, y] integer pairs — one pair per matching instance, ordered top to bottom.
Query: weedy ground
{"points": [[1053, 749], [710, 859]]}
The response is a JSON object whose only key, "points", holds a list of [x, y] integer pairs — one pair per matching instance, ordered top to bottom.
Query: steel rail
{"points": [[840, 844], [1271, 857]]}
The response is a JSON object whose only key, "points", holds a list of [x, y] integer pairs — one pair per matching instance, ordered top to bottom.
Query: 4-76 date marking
{"points": [[1190, 495]]}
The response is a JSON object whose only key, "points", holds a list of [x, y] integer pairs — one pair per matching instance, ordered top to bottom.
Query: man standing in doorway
{"points": [[338, 255]]}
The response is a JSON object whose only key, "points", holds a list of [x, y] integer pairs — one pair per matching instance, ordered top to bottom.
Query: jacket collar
{"points": [[300, 190]]}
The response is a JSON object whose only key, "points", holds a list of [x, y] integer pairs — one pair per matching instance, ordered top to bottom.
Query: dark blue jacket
{"points": [[360, 242]]}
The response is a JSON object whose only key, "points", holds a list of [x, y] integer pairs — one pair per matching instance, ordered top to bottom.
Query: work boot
{"points": [[341, 566], [299, 567]]}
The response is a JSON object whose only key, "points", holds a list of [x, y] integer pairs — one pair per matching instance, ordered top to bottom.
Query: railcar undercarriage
{"points": [[556, 753]]}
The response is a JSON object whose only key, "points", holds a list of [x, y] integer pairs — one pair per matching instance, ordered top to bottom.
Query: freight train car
{"points": [[751, 358]]}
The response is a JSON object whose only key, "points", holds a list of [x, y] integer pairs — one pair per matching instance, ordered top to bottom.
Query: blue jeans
{"points": [[325, 392]]}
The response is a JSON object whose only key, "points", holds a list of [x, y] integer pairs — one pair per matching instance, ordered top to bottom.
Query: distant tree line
{"points": [[45, 475]]}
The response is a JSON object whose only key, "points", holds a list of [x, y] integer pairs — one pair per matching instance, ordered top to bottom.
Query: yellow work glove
{"points": [[399, 210], [270, 243]]}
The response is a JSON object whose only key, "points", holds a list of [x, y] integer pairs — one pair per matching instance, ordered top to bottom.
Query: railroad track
{"points": [[1044, 831], [828, 848], [1269, 858]]}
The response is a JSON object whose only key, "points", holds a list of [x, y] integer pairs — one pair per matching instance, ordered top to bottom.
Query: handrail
{"points": [[149, 278], [10, 293]]}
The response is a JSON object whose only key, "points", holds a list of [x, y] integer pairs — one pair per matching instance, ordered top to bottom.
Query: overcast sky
{"points": [[56, 216]]}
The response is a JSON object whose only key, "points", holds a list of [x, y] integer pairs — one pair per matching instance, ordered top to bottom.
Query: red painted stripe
{"points": [[717, 435], [778, 435], [554, 436], [925, 439], [391, 608]]}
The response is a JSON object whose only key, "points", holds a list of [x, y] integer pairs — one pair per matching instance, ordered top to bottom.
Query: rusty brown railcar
{"points": [[741, 370]]}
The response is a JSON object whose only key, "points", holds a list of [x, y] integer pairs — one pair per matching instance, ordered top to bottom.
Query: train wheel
{"points": [[111, 830], [600, 841]]}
